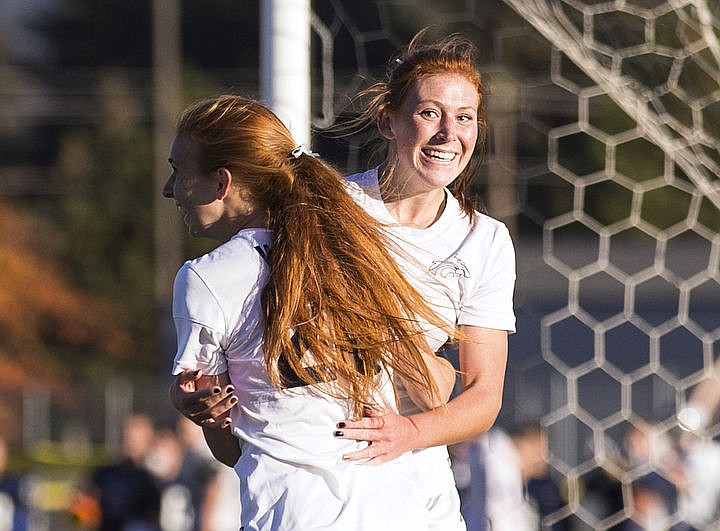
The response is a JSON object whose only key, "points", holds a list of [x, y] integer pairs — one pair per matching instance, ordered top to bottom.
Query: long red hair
{"points": [[454, 54], [332, 278]]}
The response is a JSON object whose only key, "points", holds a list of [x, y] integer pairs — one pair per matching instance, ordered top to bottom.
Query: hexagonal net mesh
{"points": [[604, 161]]}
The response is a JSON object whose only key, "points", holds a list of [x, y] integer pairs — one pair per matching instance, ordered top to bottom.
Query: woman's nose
{"points": [[447, 129], [167, 190]]}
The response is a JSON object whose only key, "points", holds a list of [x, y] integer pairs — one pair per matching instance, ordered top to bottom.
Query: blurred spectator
{"points": [[164, 462], [184, 472], [504, 480], [213, 486], [541, 489], [126, 494], [655, 496], [699, 499], [221, 506], [13, 511]]}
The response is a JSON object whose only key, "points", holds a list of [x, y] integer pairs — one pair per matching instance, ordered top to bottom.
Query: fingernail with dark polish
{"points": [[216, 390], [230, 390], [233, 401], [340, 424], [338, 434]]}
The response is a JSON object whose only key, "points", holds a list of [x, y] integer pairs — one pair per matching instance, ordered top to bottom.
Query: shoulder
{"points": [[363, 184], [365, 191], [485, 222], [478, 227], [487, 244], [249, 245], [243, 256]]}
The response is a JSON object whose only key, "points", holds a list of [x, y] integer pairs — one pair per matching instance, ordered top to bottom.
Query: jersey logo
{"points": [[451, 268]]}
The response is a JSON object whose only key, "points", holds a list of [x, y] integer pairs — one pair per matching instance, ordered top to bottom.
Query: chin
{"points": [[195, 232]]}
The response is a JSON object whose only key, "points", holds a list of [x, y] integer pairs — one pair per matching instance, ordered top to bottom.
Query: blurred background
{"points": [[603, 160]]}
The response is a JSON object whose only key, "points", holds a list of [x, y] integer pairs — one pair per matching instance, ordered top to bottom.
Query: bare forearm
{"points": [[483, 357], [470, 413], [223, 445]]}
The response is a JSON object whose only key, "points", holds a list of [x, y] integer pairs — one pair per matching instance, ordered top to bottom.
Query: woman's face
{"points": [[433, 133], [197, 193]]}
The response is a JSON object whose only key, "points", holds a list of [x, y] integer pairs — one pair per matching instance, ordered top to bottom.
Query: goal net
{"points": [[604, 161]]}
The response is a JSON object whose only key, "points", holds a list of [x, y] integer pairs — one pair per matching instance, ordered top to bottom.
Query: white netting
{"points": [[605, 162]]}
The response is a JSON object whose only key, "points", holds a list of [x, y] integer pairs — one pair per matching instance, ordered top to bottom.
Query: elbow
{"points": [[446, 388], [428, 400], [488, 415], [228, 459], [228, 462]]}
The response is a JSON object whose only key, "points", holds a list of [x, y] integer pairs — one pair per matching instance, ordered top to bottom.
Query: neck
{"points": [[410, 208], [419, 211], [229, 227]]}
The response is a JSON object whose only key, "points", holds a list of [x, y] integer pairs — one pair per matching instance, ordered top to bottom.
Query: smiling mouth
{"points": [[439, 155]]}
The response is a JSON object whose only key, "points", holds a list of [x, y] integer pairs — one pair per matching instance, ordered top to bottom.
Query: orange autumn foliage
{"points": [[41, 313]]}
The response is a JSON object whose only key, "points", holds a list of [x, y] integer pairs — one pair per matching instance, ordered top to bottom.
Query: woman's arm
{"points": [[483, 358], [444, 375], [202, 399], [207, 400], [223, 444]]}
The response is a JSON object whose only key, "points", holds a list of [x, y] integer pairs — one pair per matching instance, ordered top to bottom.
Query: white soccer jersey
{"points": [[465, 269], [291, 473]]}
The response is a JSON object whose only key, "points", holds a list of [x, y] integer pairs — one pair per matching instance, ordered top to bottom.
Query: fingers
{"points": [[187, 379], [209, 403], [205, 405], [370, 412], [367, 423], [216, 424], [384, 431], [356, 435], [371, 455]]}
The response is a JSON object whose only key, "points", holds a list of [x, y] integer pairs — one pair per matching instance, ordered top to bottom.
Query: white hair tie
{"points": [[303, 150]]}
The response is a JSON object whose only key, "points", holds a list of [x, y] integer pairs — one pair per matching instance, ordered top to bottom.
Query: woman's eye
{"points": [[429, 113]]}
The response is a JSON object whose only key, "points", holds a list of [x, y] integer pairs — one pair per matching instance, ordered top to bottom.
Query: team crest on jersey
{"points": [[451, 268]]}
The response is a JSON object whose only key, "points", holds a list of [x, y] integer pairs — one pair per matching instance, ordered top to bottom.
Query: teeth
{"points": [[442, 155]]}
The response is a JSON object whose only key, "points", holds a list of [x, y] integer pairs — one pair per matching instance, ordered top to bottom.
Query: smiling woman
{"points": [[430, 113], [432, 137], [204, 196]]}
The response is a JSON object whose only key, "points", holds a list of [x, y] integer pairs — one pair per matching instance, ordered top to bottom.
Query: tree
{"points": [[49, 330]]}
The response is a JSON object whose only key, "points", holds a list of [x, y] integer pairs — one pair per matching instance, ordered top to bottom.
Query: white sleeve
{"points": [[487, 298], [199, 324]]}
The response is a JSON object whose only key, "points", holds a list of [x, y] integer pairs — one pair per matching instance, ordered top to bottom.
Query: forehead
{"points": [[454, 90], [183, 151]]}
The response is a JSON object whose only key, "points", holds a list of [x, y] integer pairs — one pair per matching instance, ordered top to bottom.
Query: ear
{"points": [[385, 125], [224, 180]]}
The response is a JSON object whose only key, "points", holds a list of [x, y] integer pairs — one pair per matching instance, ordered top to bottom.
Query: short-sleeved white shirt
{"points": [[465, 269], [290, 469], [291, 472]]}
